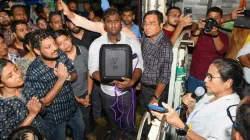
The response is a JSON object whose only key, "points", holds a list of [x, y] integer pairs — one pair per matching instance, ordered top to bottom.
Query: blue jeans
{"points": [[192, 83], [76, 123]]}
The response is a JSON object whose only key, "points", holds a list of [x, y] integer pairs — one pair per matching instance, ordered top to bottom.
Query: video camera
{"points": [[209, 24]]}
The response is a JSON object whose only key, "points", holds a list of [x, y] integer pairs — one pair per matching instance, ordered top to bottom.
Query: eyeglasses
{"points": [[175, 16], [3, 17], [150, 24], [210, 76], [232, 109]]}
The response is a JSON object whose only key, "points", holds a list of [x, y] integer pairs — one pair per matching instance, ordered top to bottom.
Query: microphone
{"points": [[199, 91]]}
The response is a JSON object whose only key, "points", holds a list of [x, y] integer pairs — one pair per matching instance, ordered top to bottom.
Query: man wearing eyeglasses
{"points": [[5, 23], [175, 23], [209, 46], [157, 56]]}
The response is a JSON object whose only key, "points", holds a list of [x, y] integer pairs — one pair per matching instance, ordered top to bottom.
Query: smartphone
{"points": [[187, 11], [157, 108]]}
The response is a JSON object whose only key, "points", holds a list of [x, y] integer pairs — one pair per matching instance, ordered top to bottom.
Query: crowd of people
{"points": [[50, 73]]}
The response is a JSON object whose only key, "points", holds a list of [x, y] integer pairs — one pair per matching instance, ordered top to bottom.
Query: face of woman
{"points": [[64, 43], [11, 77], [213, 81]]}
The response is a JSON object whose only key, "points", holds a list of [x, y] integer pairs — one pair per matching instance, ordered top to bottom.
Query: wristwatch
{"points": [[157, 97], [183, 132]]}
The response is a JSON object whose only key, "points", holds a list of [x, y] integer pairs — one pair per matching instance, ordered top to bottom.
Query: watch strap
{"points": [[157, 97]]}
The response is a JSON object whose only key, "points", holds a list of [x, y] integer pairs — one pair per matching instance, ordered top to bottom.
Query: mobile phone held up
{"points": [[188, 11], [157, 108]]}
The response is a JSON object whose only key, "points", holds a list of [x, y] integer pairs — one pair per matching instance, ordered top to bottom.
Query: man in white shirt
{"points": [[112, 24], [242, 56]]}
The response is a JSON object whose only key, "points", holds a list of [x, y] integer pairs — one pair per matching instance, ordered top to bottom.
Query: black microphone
{"points": [[199, 91]]}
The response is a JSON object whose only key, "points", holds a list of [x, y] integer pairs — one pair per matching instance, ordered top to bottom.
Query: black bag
{"points": [[115, 62]]}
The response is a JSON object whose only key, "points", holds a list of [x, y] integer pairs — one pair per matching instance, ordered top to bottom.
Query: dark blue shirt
{"points": [[40, 79], [13, 112]]}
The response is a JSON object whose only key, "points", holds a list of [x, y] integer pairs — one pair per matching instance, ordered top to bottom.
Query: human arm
{"points": [[235, 13], [81, 21], [184, 21], [195, 34], [219, 45], [242, 55], [165, 61], [62, 74], [127, 83], [189, 102], [34, 108], [172, 118]]}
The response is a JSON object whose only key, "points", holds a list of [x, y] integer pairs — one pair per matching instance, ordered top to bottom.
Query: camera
{"points": [[209, 24]]}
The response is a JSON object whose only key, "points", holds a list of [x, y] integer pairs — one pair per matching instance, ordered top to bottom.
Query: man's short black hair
{"points": [[70, 1], [17, 6], [39, 8], [172, 8], [127, 9], [215, 9], [109, 12], [155, 12], [8, 13], [51, 14], [40, 18], [15, 23], [59, 33], [37, 37], [243, 120]]}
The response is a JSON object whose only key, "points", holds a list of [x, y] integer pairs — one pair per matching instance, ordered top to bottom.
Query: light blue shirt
{"points": [[135, 29]]}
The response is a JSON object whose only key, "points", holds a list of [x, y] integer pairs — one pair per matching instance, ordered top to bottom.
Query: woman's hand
{"points": [[189, 102], [34, 106], [171, 116]]}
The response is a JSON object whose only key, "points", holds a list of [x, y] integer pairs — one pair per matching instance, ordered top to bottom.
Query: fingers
{"points": [[125, 79], [170, 109], [157, 114]]}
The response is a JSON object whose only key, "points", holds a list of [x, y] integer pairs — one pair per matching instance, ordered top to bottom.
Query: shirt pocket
{"points": [[152, 61]]}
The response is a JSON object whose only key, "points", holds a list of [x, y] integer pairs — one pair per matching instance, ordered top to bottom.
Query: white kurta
{"points": [[210, 120]]}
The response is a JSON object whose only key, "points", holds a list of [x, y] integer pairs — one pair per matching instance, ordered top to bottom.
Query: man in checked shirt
{"points": [[157, 56]]}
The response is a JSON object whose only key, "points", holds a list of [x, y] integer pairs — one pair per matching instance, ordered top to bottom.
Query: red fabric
{"points": [[168, 33], [19, 51], [205, 53]]}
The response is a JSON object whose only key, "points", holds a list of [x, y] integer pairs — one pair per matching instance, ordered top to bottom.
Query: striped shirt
{"points": [[157, 57], [40, 79]]}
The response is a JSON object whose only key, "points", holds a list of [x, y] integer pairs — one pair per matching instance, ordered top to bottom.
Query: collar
{"points": [[158, 38], [119, 42], [78, 50]]}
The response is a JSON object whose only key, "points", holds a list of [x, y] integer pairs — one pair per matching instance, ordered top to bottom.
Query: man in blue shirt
{"points": [[128, 16], [49, 78]]}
